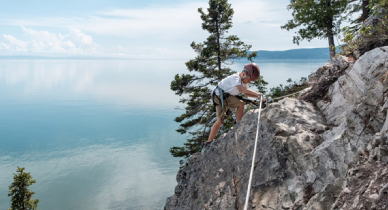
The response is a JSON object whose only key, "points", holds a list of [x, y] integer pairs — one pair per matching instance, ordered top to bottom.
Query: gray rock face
{"points": [[308, 153]]}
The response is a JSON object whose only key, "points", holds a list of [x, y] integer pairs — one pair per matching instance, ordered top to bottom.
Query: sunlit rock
{"points": [[327, 151]]}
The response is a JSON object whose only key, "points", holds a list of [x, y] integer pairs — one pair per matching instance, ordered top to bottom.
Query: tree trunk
{"points": [[365, 10], [330, 33], [330, 37], [218, 45]]}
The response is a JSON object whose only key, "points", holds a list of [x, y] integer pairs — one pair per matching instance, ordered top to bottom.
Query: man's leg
{"points": [[240, 112], [215, 128]]}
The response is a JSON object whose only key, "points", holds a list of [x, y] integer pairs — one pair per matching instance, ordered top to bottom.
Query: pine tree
{"points": [[356, 6], [316, 19], [361, 37], [207, 69], [21, 195]]}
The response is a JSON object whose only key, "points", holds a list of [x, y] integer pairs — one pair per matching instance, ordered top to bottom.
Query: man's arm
{"points": [[247, 92]]}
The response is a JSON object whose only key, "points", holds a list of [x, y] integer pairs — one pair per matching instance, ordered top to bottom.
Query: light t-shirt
{"points": [[228, 84]]}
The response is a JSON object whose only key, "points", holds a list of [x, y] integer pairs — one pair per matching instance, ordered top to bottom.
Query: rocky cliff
{"points": [[328, 149]]}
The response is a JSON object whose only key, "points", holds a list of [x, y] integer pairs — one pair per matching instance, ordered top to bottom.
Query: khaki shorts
{"points": [[233, 103]]}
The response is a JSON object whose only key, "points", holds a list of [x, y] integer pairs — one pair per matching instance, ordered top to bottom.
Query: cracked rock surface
{"points": [[328, 153]]}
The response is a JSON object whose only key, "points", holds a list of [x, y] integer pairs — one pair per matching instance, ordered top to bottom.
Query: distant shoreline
{"points": [[311, 53], [293, 54], [77, 58]]}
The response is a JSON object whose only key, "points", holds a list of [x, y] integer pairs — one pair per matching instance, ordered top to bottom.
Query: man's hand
{"points": [[248, 92], [263, 97]]}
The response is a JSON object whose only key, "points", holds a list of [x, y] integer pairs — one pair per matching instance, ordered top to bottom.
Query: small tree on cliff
{"points": [[355, 6], [316, 19], [367, 36], [208, 68], [21, 195]]}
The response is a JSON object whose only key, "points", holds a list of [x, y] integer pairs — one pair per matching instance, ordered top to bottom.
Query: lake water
{"points": [[95, 134]]}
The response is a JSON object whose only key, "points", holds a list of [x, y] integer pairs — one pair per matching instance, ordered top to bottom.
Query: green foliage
{"points": [[354, 7], [316, 19], [375, 33], [206, 70], [260, 85], [291, 87], [21, 195]]}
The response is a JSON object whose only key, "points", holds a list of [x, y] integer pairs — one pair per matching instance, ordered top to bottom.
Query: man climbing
{"points": [[224, 95]]}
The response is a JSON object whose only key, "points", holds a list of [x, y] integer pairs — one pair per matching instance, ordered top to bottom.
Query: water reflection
{"points": [[117, 82], [94, 134], [95, 177]]}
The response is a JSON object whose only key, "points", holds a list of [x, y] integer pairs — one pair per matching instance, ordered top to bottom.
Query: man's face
{"points": [[246, 80]]}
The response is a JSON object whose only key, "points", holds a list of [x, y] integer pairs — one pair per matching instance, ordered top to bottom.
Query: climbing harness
{"points": [[221, 92], [226, 95], [221, 99], [254, 155]]}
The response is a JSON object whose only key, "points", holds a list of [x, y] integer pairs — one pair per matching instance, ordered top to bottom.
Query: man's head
{"points": [[250, 73], [245, 78]]}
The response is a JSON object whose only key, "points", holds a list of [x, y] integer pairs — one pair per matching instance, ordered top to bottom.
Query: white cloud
{"points": [[152, 20], [147, 29], [144, 31], [81, 37], [75, 42], [14, 44], [3, 46], [121, 48]]}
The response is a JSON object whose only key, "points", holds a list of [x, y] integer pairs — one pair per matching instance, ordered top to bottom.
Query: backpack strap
{"points": [[221, 92], [221, 98]]}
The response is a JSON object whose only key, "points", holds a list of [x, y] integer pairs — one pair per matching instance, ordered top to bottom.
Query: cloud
{"points": [[150, 21], [155, 22], [258, 23], [160, 26], [144, 31], [81, 37], [76, 42], [14, 44], [120, 48]]}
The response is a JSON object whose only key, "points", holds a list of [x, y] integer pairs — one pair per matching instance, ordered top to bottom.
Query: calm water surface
{"points": [[95, 134]]}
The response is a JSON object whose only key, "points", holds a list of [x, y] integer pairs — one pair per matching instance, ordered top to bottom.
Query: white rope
{"points": [[286, 95], [254, 156]]}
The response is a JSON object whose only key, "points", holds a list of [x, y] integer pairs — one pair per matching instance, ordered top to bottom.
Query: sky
{"points": [[148, 29]]}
